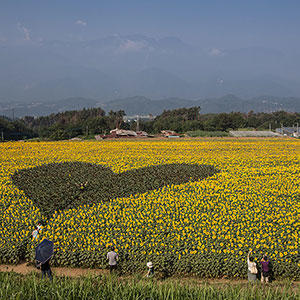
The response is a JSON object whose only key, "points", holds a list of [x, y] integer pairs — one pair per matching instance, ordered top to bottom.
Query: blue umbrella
{"points": [[44, 251]]}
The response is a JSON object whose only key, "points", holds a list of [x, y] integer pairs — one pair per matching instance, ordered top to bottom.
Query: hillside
{"points": [[121, 66], [228, 103], [140, 105], [17, 109]]}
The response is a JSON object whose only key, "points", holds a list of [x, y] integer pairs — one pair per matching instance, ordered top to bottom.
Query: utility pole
{"points": [[13, 114], [138, 123], [270, 127], [281, 128], [2, 135]]}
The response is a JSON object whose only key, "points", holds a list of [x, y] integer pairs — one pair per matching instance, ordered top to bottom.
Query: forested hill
{"points": [[228, 103], [140, 105], [143, 106], [88, 122]]}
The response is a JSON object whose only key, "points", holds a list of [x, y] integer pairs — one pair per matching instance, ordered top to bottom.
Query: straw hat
{"points": [[149, 264]]}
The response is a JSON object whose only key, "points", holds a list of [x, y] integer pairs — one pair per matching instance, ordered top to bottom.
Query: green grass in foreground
{"points": [[14, 286]]}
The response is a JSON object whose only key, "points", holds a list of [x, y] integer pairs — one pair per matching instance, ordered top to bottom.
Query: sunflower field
{"points": [[190, 206]]}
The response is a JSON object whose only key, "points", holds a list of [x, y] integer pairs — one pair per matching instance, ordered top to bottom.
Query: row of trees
{"points": [[188, 119], [93, 121], [75, 123], [14, 130]]}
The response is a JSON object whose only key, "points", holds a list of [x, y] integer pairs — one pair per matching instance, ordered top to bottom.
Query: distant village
{"points": [[122, 133]]}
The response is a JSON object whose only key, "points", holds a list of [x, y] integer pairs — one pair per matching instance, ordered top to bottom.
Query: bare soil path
{"points": [[24, 269]]}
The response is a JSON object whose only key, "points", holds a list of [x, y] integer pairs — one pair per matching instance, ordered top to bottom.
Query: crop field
{"points": [[190, 206]]}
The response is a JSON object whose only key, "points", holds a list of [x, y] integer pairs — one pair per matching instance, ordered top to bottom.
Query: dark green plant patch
{"points": [[67, 185]]}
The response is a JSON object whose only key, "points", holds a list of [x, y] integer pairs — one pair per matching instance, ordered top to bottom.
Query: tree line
{"points": [[189, 119], [88, 122]]}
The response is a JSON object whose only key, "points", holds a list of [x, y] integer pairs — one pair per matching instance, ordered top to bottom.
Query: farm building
{"points": [[290, 131], [121, 133], [249, 133], [170, 134]]}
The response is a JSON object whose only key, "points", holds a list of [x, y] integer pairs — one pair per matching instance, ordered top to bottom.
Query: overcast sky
{"points": [[207, 23]]}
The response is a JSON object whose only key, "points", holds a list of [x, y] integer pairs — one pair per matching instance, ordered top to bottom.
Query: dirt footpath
{"points": [[71, 272], [78, 272]]}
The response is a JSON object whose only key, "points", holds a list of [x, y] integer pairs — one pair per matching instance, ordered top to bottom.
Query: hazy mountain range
{"points": [[117, 67], [140, 105]]}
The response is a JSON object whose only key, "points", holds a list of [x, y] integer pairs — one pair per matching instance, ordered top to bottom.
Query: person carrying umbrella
{"points": [[43, 254], [46, 270]]}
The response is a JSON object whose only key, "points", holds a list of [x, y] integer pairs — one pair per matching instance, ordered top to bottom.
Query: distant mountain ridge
{"points": [[121, 66], [228, 103], [140, 105]]}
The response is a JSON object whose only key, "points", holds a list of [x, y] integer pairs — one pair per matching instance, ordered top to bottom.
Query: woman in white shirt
{"points": [[252, 269]]}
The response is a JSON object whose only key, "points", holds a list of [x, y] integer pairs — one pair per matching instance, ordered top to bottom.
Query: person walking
{"points": [[35, 232], [112, 258], [150, 267], [252, 269], [265, 269], [46, 270]]}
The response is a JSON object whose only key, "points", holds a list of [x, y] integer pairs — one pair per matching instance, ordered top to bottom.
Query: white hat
{"points": [[149, 264]]}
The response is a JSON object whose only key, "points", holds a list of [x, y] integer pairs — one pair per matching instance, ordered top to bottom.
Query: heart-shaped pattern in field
{"points": [[59, 186]]}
